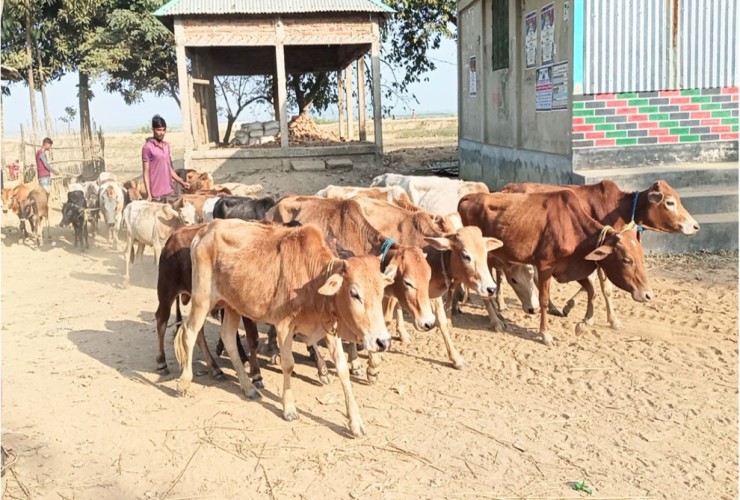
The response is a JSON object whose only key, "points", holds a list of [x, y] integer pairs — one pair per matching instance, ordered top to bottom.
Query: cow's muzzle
{"points": [[642, 295], [383, 344]]}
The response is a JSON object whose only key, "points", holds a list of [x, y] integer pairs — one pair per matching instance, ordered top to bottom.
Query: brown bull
{"points": [[657, 208], [552, 232]]}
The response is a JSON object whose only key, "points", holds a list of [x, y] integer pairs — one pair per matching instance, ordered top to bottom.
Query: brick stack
{"points": [[661, 117]]}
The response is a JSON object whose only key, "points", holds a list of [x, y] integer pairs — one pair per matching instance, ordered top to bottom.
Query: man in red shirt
{"points": [[42, 164], [157, 164]]}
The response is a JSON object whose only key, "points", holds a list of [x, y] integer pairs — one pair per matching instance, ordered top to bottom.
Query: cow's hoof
{"points": [[568, 307], [554, 311], [616, 324], [581, 327], [406, 339], [548, 340], [275, 359], [459, 364], [163, 370], [357, 372], [218, 374], [372, 377], [324, 379], [258, 382], [182, 388], [253, 395], [290, 413], [357, 429]]}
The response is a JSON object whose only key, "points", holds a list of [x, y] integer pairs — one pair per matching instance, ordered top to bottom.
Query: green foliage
{"points": [[134, 52], [70, 113]]}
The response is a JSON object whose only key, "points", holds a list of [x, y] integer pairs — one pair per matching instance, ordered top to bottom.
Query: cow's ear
{"points": [[655, 197], [442, 243], [491, 244], [600, 253], [389, 274], [332, 285]]}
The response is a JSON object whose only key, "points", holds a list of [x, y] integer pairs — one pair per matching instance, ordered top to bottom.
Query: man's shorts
{"points": [[45, 182]]}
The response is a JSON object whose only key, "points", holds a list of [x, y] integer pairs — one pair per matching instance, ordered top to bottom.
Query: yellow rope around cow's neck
{"points": [[606, 229]]}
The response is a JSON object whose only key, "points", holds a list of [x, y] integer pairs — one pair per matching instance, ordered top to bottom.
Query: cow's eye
{"points": [[670, 203], [466, 257], [627, 260], [513, 281], [408, 284], [356, 296]]}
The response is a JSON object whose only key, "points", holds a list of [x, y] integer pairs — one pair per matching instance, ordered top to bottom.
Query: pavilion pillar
{"points": [[282, 91], [185, 95], [361, 97], [340, 101], [350, 103], [377, 110]]}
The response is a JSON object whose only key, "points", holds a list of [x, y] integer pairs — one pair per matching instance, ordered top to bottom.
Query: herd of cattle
{"points": [[342, 264]]}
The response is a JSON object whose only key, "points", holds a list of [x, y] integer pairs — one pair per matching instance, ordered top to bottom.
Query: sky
{"points": [[438, 95]]}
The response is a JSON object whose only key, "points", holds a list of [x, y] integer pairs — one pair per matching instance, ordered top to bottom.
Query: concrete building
{"points": [[278, 38], [572, 92]]}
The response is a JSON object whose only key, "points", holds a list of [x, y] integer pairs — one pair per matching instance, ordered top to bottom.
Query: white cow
{"points": [[105, 177], [390, 194], [436, 195], [111, 204], [208, 208], [152, 224]]}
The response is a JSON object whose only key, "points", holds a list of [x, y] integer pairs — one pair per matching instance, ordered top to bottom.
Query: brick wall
{"points": [[661, 117]]}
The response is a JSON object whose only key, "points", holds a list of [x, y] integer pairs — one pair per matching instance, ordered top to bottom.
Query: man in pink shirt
{"points": [[157, 164]]}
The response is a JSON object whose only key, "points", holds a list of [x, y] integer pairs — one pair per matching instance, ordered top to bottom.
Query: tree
{"points": [[135, 53], [238, 92]]}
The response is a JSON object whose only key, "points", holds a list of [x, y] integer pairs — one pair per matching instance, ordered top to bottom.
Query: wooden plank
{"points": [[182, 79], [200, 81], [282, 94], [361, 97], [350, 103], [377, 110]]}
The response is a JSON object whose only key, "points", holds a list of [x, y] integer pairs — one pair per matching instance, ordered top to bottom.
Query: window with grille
{"points": [[500, 35]]}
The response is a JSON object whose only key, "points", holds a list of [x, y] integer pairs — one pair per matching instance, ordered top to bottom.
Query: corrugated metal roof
{"points": [[217, 7]]}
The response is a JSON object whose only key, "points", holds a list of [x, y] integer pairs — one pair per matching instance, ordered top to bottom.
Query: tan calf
{"points": [[286, 277]]}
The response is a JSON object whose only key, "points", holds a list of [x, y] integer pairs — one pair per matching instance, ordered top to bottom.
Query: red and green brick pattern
{"points": [[660, 117]]}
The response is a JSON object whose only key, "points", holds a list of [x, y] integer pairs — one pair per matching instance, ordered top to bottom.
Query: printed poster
{"points": [[547, 34], [530, 39], [472, 78], [560, 86], [543, 89]]}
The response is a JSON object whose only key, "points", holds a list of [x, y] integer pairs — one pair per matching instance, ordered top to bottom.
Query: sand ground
{"points": [[648, 411]]}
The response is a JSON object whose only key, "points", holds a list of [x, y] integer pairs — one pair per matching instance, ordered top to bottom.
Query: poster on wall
{"points": [[566, 11], [547, 33], [530, 39], [472, 78], [560, 86], [543, 89]]}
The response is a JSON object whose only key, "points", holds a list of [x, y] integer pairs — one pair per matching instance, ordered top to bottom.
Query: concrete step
{"points": [[677, 175], [710, 199], [719, 231]]}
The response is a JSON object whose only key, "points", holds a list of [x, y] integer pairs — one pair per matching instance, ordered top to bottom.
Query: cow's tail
{"points": [[181, 349]]}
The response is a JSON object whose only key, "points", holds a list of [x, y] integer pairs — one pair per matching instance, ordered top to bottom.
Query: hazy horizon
{"points": [[110, 112]]}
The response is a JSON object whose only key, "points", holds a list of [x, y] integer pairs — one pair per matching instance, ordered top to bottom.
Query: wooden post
{"points": [[282, 94], [186, 95], [361, 97], [340, 102], [350, 104], [377, 110], [22, 155]]}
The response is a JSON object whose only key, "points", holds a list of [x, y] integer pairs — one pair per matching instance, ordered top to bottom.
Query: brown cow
{"points": [[135, 189], [12, 197], [35, 208], [657, 208], [345, 220], [552, 232], [457, 258], [287, 277], [175, 282]]}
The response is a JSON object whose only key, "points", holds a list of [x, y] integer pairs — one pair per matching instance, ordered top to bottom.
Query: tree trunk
{"points": [[31, 83], [42, 86], [83, 90], [229, 124]]}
